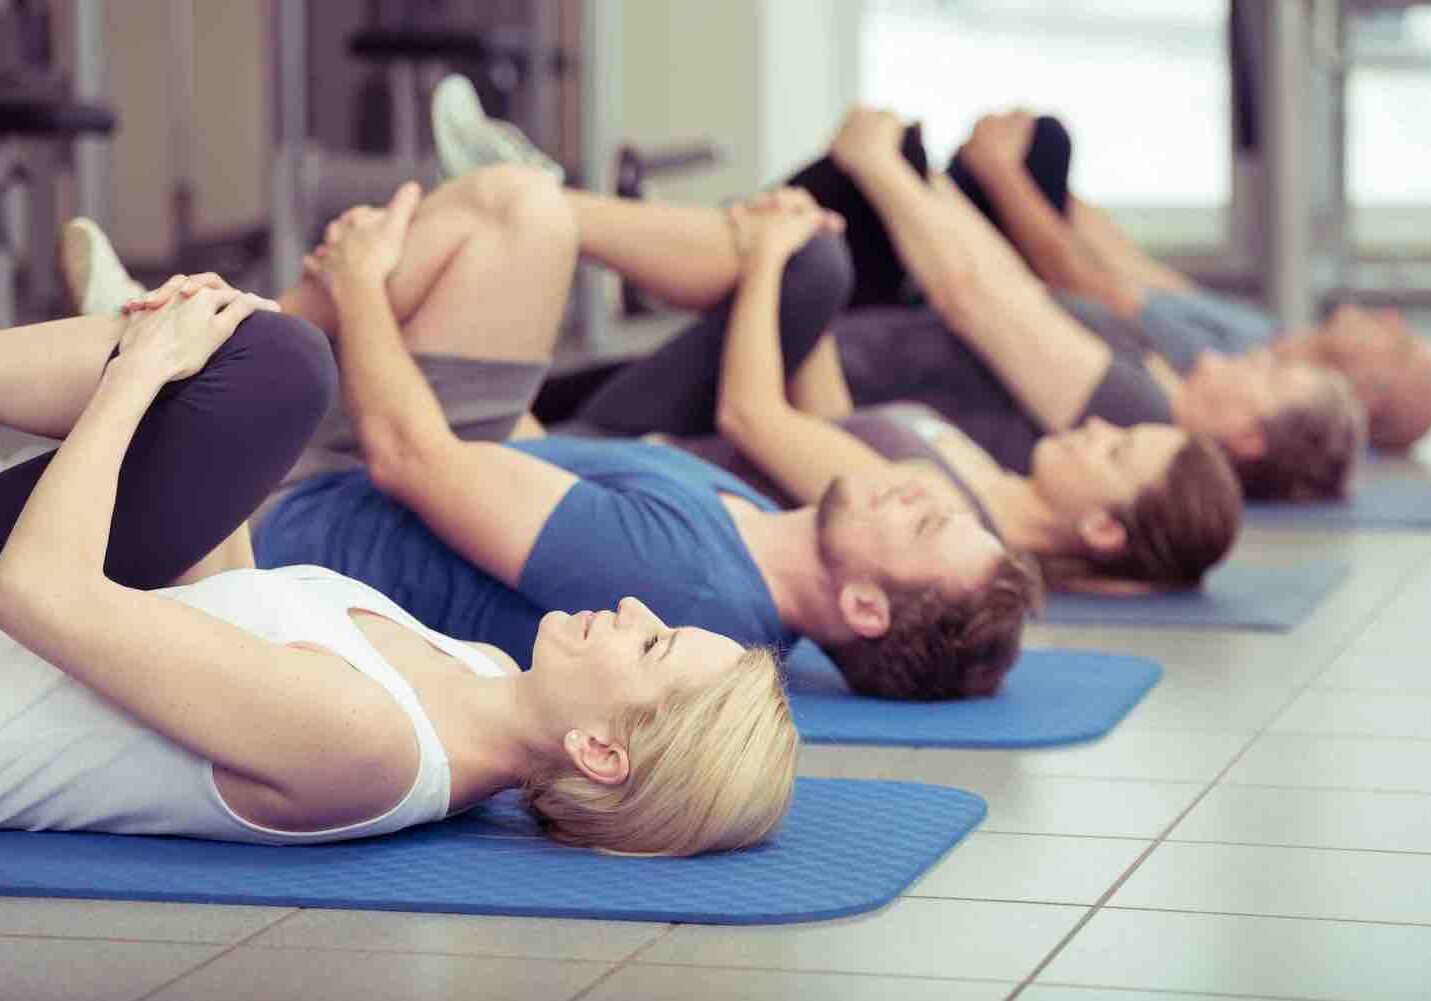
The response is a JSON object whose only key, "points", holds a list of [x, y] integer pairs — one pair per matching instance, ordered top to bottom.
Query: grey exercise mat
{"points": [[1386, 504], [1237, 595]]}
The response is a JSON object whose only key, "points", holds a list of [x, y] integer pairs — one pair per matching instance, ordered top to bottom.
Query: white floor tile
{"points": [[1393, 634], [1377, 670], [1226, 705], [1358, 714], [1124, 754], [827, 761], [1335, 763], [1019, 801], [1110, 808], [1312, 818], [1030, 868], [1285, 882], [133, 920], [526, 938], [922, 938], [1226, 954], [45, 969], [317, 975], [681, 983], [1046, 992]]}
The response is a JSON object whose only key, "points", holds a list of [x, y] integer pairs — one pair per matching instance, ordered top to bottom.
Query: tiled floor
{"points": [[1260, 828]]}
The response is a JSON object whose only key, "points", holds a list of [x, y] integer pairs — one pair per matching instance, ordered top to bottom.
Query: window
{"points": [[1141, 84]]}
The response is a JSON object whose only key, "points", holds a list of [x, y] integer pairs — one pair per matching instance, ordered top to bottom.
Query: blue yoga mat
{"points": [[1386, 505], [1237, 595], [1050, 697], [846, 848]]}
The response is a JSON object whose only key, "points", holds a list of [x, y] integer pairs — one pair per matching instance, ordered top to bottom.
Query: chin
{"points": [[1043, 459]]}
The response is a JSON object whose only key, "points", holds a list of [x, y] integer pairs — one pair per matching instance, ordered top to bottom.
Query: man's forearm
{"points": [[926, 244], [1049, 244], [985, 293], [388, 400]]}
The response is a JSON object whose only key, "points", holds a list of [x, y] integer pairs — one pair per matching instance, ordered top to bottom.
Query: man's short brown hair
{"points": [[1312, 447], [939, 647]]}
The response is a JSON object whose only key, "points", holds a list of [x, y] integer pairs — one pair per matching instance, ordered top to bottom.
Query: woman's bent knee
{"points": [[820, 276], [284, 363]]}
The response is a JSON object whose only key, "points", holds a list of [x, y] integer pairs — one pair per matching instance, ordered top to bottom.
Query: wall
{"points": [[809, 77], [766, 80], [229, 151]]}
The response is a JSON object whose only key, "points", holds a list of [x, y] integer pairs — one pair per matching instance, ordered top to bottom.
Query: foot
{"points": [[467, 138], [94, 275]]}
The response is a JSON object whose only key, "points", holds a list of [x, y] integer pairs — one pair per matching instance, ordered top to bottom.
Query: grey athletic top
{"points": [[1179, 325], [893, 353], [892, 430]]}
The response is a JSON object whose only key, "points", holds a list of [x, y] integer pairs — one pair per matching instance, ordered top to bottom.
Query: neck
{"points": [[1174, 387], [1025, 519], [785, 548], [508, 739]]}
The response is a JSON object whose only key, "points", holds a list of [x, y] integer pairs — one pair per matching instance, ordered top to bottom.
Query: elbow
{"points": [[731, 421], [737, 422], [396, 460], [32, 597]]}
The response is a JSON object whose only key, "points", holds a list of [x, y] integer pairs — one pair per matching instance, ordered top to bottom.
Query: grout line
{"points": [[1353, 635], [1349, 735], [1368, 790], [1298, 847], [1320, 919], [221, 954], [621, 964], [867, 974], [1175, 991]]}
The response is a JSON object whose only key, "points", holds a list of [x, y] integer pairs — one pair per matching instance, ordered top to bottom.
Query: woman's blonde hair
{"points": [[712, 769]]}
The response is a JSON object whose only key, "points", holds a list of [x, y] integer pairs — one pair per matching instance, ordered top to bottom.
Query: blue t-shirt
{"points": [[645, 520]]}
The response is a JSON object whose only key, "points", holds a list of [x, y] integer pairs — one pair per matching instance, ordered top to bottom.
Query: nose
{"points": [[625, 609], [630, 611]]}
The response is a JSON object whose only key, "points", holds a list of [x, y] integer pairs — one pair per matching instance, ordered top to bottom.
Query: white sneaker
{"points": [[467, 138], [94, 275]]}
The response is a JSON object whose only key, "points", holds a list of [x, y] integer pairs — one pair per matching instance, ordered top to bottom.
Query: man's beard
{"points": [[833, 502]]}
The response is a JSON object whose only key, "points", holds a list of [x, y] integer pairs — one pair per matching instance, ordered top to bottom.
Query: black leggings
{"points": [[880, 277], [675, 389], [208, 451]]}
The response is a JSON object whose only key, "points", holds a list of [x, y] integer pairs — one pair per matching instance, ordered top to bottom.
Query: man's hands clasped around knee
{"points": [[365, 243]]}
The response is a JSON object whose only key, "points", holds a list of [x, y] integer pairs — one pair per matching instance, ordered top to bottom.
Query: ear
{"points": [[1246, 440], [1102, 532], [865, 608], [602, 762]]}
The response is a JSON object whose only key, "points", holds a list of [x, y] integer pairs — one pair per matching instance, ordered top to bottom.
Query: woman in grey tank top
{"points": [[1098, 506]]}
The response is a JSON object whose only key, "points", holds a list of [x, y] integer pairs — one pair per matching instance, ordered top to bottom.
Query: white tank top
{"points": [[69, 760]]}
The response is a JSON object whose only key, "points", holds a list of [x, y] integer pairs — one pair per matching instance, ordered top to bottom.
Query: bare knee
{"points": [[496, 191]]}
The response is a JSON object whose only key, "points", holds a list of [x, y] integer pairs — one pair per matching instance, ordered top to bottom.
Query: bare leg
{"points": [[684, 255], [485, 270], [49, 371], [234, 553]]}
